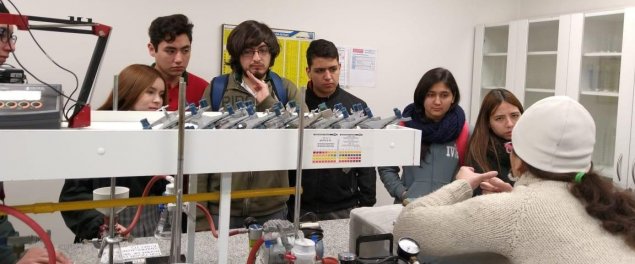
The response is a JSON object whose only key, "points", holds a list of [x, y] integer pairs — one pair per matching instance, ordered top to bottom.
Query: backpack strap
{"points": [[219, 84], [278, 87], [461, 143]]}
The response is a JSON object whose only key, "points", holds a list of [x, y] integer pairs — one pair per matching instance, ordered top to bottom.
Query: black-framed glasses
{"points": [[7, 36], [249, 53], [509, 147]]}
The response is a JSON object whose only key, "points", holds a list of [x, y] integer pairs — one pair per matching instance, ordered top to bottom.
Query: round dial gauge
{"points": [[408, 245]]}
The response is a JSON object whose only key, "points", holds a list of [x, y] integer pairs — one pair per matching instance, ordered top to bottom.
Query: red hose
{"points": [[146, 191], [137, 215], [212, 227], [50, 250], [252, 253]]}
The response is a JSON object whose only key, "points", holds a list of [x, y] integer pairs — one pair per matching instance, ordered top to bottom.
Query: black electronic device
{"points": [[11, 75], [30, 106]]}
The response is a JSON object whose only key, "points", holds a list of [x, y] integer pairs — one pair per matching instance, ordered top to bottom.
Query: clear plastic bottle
{"points": [[164, 227], [272, 249]]}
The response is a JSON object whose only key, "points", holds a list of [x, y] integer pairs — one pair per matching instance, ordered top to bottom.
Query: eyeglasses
{"points": [[7, 36], [249, 53], [509, 148]]}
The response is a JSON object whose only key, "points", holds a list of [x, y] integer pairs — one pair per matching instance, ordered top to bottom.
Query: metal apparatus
{"points": [[81, 113], [278, 116]]}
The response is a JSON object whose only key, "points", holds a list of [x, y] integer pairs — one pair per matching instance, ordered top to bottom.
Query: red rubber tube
{"points": [[146, 191], [137, 215], [212, 227], [50, 250], [252, 254]]}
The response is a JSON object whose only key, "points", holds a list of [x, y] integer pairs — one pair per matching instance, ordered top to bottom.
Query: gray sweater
{"points": [[435, 170], [540, 221]]}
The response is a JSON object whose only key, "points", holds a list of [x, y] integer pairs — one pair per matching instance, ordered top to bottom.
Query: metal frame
{"points": [[115, 152]]}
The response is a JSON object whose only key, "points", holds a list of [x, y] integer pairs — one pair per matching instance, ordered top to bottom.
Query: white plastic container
{"points": [[304, 251]]}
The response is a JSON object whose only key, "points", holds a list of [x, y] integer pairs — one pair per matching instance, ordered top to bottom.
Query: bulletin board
{"points": [[290, 63]]}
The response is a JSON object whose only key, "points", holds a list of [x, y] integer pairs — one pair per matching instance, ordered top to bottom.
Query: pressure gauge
{"points": [[407, 248]]}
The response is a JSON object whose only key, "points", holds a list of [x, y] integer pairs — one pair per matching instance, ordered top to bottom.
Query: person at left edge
{"points": [[171, 46], [36, 254]]}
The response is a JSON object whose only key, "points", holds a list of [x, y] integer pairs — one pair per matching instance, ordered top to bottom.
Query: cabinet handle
{"points": [[618, 168]]}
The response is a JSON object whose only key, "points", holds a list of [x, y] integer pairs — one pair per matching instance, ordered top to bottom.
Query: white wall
{"points": [[546, 8], [412, 36]]}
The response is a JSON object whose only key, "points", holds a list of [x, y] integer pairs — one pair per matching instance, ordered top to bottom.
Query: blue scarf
{"points": [[446, 130]]}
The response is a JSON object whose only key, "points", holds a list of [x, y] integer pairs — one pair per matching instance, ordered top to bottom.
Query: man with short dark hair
{"points": [[171, 45], [331, 193]]}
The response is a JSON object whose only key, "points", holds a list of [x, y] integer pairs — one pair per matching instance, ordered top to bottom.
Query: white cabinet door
{"points": [[527, 57], [542, 59], [494, 62], [601, 78], [625, 176]]}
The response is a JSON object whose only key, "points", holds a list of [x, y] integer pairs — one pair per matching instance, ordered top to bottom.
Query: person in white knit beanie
{"points": [[559, 211]]}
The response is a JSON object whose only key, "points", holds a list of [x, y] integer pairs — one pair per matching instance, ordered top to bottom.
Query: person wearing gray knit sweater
{"points": [[551, 215]]}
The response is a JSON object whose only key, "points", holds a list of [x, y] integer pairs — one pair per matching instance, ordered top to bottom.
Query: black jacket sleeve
{"points": [[367, 184], [85, 223], [6, 252]]}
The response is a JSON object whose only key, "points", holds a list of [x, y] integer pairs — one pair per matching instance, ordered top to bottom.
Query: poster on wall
{"points": [[343, 54], [290, 63], [358, 66], [362, 67]]}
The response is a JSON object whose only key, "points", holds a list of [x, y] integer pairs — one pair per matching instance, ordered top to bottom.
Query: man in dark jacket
{"points": [[331, 193]]}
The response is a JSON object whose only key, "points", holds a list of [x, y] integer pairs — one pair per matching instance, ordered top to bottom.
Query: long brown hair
{"points": [[133, 80], [483, 138], [613, 206]]}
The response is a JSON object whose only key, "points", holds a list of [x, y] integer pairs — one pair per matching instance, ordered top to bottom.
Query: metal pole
{"points": [[115, 94], [298, 173], [113, 183], [191, 218], [111, 223], [175, 250]]}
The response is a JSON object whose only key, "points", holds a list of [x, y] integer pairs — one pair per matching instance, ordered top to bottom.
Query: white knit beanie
{"points": [[556, 134]]}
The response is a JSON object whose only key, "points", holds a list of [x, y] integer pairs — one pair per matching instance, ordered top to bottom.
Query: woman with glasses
{"points": [[141, 88], [436, 112], [499, 113], [559, 211]]}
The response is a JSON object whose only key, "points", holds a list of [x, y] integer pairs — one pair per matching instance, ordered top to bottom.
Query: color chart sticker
{"points": [[325, 147], [337, 148], [350, 148]]}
